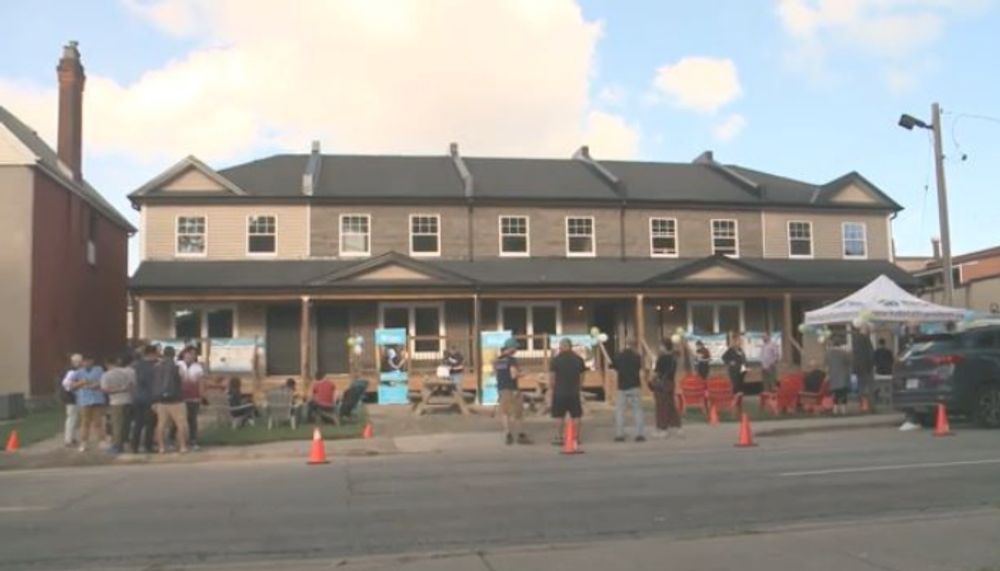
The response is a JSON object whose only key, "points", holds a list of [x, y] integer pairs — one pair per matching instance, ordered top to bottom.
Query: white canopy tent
{"points": [[882, 301]]}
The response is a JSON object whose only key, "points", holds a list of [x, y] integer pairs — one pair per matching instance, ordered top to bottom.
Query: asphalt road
{"points": [[142, 516]]}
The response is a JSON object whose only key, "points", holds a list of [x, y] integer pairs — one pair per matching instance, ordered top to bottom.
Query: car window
{"points": [[982, 340], [936, 344]]}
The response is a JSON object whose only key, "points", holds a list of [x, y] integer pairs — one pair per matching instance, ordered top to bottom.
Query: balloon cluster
{"points": [[822, 332], [678, 336], [597, 337], [357, 344]]}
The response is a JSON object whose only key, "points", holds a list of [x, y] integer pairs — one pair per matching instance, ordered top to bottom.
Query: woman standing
{"points": [[736, 362], [838, 371], [663, 390]]}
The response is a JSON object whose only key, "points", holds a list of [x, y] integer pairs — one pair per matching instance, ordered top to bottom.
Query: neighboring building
{"points": [[304, 251], [64, 268], [976, 278]]}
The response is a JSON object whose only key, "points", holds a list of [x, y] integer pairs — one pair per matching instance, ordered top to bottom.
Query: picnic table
{"points": [[441, 394], [538, 398]]}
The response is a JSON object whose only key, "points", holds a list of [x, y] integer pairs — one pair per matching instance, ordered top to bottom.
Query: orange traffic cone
{"points": [[865, 406], [713, 415], [941, 427], [367, 432], [746, 437], [12, 442], [570, 444], [317, 455]]}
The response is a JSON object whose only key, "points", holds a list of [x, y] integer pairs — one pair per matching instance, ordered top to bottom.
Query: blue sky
{"points": [[805, 88]]}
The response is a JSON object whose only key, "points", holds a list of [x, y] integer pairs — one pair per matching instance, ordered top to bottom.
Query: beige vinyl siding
{"points": [[17, 197], [390, 229], [226, 230], [694, 231], [826, 233]]}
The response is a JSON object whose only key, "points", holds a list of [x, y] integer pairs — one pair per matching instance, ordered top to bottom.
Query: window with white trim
{"points": [[262, 234], [355, 234], [190, 235], [514, 236], [580, 236], [663, 237], [425, 238], [725, 238], [855, 240], [800, 244], [711, 317], [199, 322], [530, 323], [424, 324]]}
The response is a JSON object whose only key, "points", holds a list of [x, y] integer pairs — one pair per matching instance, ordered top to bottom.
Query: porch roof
{"points": [[417, 274]]}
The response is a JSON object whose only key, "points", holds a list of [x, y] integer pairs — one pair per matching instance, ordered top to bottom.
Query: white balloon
{"points": [[603, 337], [675, 338], [358, 350]]}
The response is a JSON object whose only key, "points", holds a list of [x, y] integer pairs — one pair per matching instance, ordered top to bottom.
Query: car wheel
{"points": [[987, 411]]}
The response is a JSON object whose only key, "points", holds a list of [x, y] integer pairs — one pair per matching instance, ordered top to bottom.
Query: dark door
{"points": [[606, 319], [283, 339], [332, 352]]}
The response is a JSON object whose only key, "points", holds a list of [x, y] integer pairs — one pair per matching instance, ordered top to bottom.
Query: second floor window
{"points": [[355, 234], [190, 235], [261, 235], [513, 235], [580, 236], [663, 236], [724, 238], [425, 239], [800, 240], [855, 240]]}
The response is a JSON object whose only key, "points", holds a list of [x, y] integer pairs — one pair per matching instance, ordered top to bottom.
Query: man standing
{"points": [[770, 354], [863, 359], [884, 359], [628, 364], [566, 370], [118, 382], [191, 389], [68, 398], [90, 399], [142, 400], [169, 401], [511, 407]]}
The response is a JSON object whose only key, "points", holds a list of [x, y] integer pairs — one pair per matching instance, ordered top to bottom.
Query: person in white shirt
{"points": [[770, 354], [192, 378], [69, 399]]}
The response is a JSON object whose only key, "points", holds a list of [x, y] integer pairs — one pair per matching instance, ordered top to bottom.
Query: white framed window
{"points": [[191, 232], [262, 234], [355, 234], [425, 235], [580, 236], [855, 236], [663, 237], [725, 237], [514, 238], [800, 241], [711, 317], [204, 321], [532, 321], [424, 325]]}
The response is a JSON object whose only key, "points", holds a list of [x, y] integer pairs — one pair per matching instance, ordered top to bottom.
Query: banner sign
{"points": [[490, 342], [753, 342], [583, 345], [232, 355], [393, 384]]}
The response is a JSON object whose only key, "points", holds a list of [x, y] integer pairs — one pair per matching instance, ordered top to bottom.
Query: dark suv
{"points": [[961, 370]]}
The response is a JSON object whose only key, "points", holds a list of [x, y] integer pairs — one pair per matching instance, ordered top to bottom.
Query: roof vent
{"points": [[583, 155], [706, 158], [310, 178]]}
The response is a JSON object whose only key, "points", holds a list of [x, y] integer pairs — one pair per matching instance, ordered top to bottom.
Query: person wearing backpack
{"points": [[68, 398], [169, 399]]}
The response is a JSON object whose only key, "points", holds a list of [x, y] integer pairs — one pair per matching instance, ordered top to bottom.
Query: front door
{"points": [[606, 319], [283, 343], [332, 352]]}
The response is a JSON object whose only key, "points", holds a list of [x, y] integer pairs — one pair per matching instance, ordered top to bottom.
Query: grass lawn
{"points": [[34, 427], [259, 434]]}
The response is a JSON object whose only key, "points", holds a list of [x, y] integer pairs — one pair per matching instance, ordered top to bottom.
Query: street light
{"points": [[908, 122]]}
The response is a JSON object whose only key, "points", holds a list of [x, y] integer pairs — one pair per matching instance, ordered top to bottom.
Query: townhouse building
{"points": [[305, 253]]}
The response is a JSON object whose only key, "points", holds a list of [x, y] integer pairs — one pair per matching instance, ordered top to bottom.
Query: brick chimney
{"points": [[71, 80]]}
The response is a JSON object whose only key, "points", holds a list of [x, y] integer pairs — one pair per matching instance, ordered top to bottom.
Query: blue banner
{"points": [[394, 336], [490, 342], [393, 384]]}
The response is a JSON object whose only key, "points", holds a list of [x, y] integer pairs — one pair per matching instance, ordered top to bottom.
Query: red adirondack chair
{"points": [[692, 394], [720, 394], [785, 396]]}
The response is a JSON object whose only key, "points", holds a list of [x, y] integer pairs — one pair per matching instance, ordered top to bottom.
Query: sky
{"points": [[809, 89]]}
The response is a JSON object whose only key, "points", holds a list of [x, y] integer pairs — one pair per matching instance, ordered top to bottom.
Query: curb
{"points": [[792, 431]]}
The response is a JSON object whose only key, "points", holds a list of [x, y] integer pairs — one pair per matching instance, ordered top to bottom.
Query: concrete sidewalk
{"points": [[956, 541]]}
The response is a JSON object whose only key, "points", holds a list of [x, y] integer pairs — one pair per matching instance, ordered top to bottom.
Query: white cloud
{"points": [[383, 76], [702, 84], [612, 95], [729, 127]]}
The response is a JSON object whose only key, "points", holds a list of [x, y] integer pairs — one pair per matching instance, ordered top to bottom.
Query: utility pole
{"points": [[942, 196]]}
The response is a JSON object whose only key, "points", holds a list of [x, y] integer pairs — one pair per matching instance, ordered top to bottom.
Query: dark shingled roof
{"points": [[50, 160], [280, 175], [389, 177], [537, 179], [680, 182], [528, 272]]}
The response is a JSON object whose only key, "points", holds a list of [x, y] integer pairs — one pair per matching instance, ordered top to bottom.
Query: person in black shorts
{"points": [[566, 370]]}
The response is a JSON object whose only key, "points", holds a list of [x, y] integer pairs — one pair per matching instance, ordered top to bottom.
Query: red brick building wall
{"points": [[75, 306]]}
